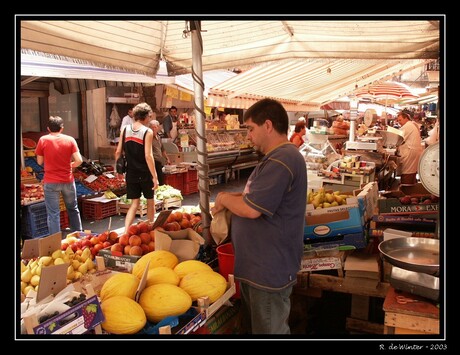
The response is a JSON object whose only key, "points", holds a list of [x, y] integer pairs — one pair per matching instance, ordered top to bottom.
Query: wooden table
{"points": [[421, 317]]}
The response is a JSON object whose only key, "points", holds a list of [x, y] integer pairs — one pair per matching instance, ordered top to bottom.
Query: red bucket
{"points": [[226, 259]]}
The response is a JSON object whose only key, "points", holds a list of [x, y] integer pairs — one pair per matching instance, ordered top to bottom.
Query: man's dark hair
{"points": [[172, 108], [269, 109], [55, 123], [299, 126]]}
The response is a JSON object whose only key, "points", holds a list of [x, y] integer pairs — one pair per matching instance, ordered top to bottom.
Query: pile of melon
{"points": [[170, 290]]}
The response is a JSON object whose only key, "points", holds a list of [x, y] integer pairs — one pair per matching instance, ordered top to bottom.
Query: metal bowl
{"points": [[413, 254]]}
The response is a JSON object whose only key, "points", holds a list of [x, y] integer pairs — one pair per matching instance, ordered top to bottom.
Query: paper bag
{"points": [[220, 226]]}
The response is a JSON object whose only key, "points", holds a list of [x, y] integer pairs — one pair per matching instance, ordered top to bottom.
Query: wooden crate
{"points": [[171, 202], [124, 207]]}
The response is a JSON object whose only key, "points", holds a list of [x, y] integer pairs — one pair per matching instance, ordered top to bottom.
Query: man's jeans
{"points": [[52, 196]]}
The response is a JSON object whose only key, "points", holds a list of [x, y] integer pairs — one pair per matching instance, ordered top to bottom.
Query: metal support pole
{"points": [[200, 117]]}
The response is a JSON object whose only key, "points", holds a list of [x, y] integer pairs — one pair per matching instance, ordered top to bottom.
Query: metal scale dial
{"points": [[428, 169]]}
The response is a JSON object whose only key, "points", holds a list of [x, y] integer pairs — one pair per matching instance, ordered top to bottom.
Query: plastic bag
{"points": [[121, 164]]}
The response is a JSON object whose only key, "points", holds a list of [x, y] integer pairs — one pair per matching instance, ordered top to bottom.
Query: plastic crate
{"points": [[191, 176], [175, 180], [190, 187], [82, 190], [95, 210], [64, 219], [34, 221]]}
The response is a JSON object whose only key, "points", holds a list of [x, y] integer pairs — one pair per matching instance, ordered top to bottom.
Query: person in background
{"points": [[222, 116], [128, 119], [168, 123], [299, 132], [433, 134], [411, 149], [159, 153], [60, 154], [141, 175], [268, 220]]}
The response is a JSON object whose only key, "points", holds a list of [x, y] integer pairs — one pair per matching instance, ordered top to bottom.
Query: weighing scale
{"points": [[418, 281]]}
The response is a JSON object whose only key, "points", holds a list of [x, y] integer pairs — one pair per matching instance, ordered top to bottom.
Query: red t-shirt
{"points": [[57, 154]]}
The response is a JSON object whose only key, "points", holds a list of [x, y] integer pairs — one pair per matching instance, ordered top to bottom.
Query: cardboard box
{"points": [[176, 158], [416, 189], [393, 206], [333, 223], [185, 244], [324, 263], [53, 278], [79, 322]]}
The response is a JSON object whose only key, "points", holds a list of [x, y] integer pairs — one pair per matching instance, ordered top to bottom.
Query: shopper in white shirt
{"points": [[128, 119]]}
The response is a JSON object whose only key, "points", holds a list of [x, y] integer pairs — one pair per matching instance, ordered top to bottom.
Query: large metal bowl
{"points": [[413, 254]]}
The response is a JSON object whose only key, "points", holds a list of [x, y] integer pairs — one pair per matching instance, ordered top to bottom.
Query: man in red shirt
{"points": [[60, 154]]}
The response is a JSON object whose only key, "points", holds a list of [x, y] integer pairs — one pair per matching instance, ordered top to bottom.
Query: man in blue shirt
{"points": [[268, 219]]}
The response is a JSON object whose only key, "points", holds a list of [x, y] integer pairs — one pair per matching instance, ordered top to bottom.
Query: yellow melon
{"points": [[157, 258], [189, 266], [162, 275], [204, 283], [121, 284], [164, 300], [122, 315]]}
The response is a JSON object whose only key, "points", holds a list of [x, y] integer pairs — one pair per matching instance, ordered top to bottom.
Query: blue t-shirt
{"points": [[268, 249]]}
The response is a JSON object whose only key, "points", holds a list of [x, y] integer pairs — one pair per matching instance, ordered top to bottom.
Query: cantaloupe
{"points": [[156, 258], [189, 266], [204, 283], [121, 284], [164, 300], [122, 315]]}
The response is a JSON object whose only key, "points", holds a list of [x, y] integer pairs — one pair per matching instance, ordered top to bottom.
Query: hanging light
{"points": [[328, 71]]}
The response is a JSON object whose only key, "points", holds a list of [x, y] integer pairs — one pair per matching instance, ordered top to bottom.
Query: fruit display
{"points": [[28, 143], [101, 183], [166, 191], [31, 193], [322, 199], [418, 199], [93, 242], [155, 258], [79, 264], [188, 266], [162, 275], [204, 283], [121, 284], [164, 300], [122, 315]]}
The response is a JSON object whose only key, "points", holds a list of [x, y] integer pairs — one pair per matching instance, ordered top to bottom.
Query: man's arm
{"points": [[119, 149], [149, 156], [77, 160], [234, 202]]}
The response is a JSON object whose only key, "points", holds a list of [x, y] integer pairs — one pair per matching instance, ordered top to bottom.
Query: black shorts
{"points": [[134, 189]]}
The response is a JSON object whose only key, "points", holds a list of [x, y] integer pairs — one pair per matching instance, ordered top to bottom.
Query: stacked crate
{"points": [[175, 180], [190, 182], [95, 210], [34, 221]]}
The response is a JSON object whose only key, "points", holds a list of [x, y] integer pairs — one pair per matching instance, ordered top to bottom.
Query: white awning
{"points": [[138, 45]]}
